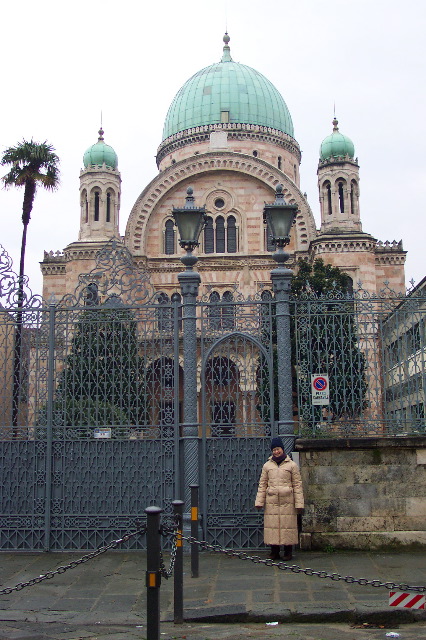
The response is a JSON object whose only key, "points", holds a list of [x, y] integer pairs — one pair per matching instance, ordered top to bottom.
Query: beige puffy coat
{"points": [[280, 492]]}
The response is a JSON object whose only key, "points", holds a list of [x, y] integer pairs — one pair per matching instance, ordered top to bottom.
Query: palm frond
{"points": [[35, 161]]}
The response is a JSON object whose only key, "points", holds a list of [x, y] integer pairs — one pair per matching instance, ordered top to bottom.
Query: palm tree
{"points": [[32, 164]]}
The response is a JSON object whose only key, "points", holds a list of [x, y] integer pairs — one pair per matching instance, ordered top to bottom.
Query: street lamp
{"points": [[279, 217], [189, 220]]}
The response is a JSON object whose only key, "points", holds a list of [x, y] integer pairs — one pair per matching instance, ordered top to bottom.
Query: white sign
{"points": [[320, 389], [102, 433]]}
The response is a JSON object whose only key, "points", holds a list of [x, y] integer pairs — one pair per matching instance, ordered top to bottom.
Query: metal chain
{"points": [[166, 530], [73, 564], [294, 568]]}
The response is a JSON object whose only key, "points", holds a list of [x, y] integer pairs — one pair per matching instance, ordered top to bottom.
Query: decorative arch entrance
{"points": [[236, 385]]}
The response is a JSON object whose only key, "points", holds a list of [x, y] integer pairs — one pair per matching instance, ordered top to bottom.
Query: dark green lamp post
{"points": [[279, 217], [189, 220]]}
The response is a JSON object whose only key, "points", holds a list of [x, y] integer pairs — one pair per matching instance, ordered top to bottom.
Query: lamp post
{"points": [[279, 217], [189, 221]]}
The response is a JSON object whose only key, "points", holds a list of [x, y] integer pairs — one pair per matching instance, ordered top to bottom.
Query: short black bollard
{"points": [[194, 530], [178, 568], [153, 575]]}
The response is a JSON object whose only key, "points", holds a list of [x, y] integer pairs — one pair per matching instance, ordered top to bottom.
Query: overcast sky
{"points": [[64, 63]]}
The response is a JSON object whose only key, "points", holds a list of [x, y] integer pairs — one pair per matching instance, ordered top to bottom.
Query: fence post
{"points": [[189, 281], [281, 282], [49, 427], [194, 530], [178, 569], [153, 575]]}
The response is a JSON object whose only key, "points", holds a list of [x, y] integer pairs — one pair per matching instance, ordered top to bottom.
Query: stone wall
{"points": [[364, 493]]}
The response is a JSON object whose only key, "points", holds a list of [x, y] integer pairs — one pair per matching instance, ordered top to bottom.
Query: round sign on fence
{"points": [[320, 383], [320, 389]]}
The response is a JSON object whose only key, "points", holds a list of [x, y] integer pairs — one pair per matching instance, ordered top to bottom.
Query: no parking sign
{"points": [[320, 389]]}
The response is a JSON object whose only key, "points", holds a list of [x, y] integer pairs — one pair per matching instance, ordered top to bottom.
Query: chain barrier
{"points": [[166, 530], [73, 564], [294, 568]]}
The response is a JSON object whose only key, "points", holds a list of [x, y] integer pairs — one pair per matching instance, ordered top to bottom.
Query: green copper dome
{"points": [[227, 92], [336, 145], [99, 153]]}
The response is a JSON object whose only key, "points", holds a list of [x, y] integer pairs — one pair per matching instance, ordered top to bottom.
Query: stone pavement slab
{"points": [[110, 589]]}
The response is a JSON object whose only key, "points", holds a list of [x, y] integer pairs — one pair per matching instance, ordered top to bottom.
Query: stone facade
{"points": [[229, 135], [228, 175], [364, 493]]}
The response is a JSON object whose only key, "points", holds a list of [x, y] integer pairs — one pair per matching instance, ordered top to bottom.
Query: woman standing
{"points": [[280, 492]]}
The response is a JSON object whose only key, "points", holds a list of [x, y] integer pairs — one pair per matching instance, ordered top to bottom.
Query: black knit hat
{"points": [[277, 442]]}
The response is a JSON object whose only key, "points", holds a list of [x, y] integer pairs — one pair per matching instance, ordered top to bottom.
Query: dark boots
{"points": [[275, 552], [288, 552]]}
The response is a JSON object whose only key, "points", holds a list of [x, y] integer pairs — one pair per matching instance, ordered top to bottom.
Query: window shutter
{"points": [[220, 235], [209, 236], [231, 237], [169, 239]]}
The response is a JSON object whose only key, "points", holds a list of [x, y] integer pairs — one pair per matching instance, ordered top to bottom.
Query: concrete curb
{"points": [[231, 614], [305, 614]]}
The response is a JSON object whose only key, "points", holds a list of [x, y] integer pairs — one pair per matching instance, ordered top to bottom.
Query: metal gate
{"points": [[237, 413], [90, 437]]}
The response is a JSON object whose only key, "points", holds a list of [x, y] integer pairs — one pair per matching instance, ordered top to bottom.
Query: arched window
{"points": [[255, 154], [279, 162], [326, 190], [353, 197], [341, 198], [329, 205], [84, 207], [108, 208], [96, 216], [220, 235], [231, 235], [209, 236], [169, 237], [269, 246], [91, 297], [177, 301], [214, 311], [228, 311], [265, 311], [221, 313], [164, 321], [221, 378]]}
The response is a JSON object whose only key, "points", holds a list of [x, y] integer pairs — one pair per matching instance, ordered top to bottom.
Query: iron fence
{"points": [[96, 430]]}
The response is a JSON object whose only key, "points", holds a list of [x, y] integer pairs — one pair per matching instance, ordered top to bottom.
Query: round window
{"points": [[219, 203]]}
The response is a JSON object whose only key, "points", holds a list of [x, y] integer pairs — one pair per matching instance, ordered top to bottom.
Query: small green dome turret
{"points": [[227, 92], [336, 145], [100, 153]]}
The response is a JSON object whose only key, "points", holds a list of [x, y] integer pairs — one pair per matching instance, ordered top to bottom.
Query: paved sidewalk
{"points": [[110, 589]]}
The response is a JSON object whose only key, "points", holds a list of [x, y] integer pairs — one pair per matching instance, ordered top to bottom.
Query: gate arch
{"points": [[236, 396]]}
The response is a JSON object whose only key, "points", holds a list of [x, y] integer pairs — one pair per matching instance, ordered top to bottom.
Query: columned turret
{"points": [[338, 184], [100, 190]]}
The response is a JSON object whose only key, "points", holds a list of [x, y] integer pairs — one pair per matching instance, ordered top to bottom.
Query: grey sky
{"points": [[65, 63]]}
